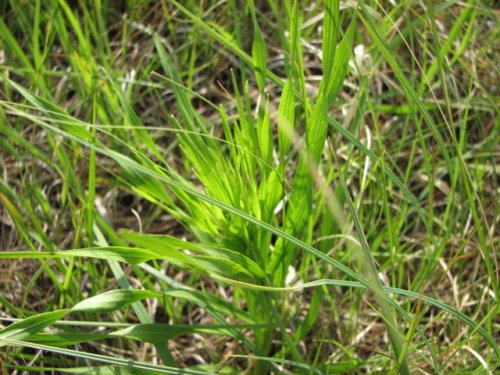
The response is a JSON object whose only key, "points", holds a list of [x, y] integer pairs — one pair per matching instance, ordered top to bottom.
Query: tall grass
{"points": [[258, 187]]}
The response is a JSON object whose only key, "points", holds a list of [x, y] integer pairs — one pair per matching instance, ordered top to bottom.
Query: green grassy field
{"points": [[249, 187]]}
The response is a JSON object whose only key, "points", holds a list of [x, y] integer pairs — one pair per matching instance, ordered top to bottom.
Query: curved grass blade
{"points": [[371, 270], [397, 291], [136, 365]]}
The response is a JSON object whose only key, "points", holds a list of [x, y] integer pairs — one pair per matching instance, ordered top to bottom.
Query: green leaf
{"points": [[331, 29], [259, 53], [334, 77], [286, 118], [317, 128], [264, 136], [270, 194], [220, 252], [128, 255], [218, 261], [113, 300], [25, 328], [65, 338]]}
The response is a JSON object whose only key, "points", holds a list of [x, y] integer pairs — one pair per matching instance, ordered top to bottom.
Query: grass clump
{"points": [[257, 187]]}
